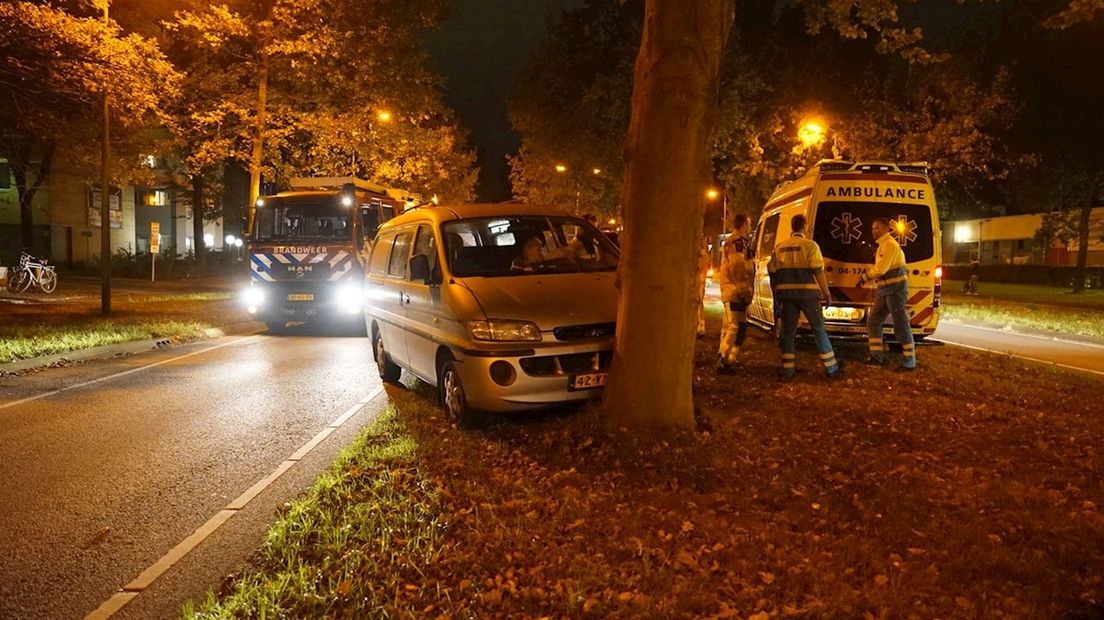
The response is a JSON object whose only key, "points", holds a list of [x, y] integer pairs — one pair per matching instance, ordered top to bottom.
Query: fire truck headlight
{"points": [[253, 298], [350, 298]]}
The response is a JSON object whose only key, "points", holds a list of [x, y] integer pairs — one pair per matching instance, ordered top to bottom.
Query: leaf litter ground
{"points": [[970, 488]]}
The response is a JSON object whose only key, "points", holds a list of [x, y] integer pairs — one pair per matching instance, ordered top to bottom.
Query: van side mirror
{"points": [[419, 268]]}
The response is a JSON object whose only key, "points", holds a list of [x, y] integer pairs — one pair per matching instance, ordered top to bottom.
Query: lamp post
{"points": [[562, 169], [105, 193], [712, 194]]}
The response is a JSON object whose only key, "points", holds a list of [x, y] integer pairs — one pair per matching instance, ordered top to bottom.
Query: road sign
{"points": [[155, 247]]}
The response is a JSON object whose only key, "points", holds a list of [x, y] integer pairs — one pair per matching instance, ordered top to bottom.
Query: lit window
{"points": [[155, 198]]}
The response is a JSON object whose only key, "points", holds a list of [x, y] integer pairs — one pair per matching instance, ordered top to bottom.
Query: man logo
{"points": [[300, 271]]}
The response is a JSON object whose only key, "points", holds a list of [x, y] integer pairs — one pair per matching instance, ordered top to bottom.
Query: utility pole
{"points": [[105, 194]]}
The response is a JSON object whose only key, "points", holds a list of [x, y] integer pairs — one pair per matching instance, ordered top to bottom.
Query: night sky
{"points": [[479, 50]]}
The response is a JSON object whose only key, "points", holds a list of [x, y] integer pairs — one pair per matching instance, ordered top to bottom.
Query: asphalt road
{"points": [[1077, 354], [101, 479]]}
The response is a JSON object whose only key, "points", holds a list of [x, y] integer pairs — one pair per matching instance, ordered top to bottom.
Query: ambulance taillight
{"points": [[938, 292]]}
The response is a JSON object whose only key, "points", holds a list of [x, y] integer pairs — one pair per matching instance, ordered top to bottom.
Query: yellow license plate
{"points": [[301, 297], [844, 314], [591, 381]]}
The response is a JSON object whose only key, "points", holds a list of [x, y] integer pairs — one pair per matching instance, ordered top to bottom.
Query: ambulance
{"points": [[840, 200]]}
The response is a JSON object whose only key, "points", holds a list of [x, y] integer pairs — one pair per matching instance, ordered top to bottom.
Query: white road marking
{"points": [[1023, 335], [1022, 357], [124, 373], [158, 568]]}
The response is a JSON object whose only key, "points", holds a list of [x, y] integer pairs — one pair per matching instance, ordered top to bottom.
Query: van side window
{"points": [[767, 235], [426, 244], [400, 251], [381, 253]]}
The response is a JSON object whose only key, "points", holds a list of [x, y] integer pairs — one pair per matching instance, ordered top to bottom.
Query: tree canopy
{"points": [[55, 65], [328, 84]]}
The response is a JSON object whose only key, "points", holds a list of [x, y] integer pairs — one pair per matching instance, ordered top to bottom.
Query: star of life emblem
{"points": [[846, 227], [904, 229]]}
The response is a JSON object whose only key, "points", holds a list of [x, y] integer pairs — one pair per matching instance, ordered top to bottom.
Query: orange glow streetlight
{"points": [[384, 116], [812, 132], [561, 168], [597, 171]]}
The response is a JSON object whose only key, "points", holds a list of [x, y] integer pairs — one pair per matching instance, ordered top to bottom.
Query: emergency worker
{"points": [[737, 269], [890, 275], [798, 284]]}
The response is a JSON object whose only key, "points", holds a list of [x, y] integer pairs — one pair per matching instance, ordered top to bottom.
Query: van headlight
{"points": [[253, 298], [350, 298], [497, 330]]}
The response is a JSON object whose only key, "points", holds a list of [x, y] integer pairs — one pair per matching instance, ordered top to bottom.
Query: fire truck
{"points": [[308, 247]]}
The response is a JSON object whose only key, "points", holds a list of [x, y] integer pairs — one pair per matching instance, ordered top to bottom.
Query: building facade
{"points": [[1012, 240]]}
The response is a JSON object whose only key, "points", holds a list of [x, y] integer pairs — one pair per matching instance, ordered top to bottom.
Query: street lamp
{"points": [[384, 116], [811, 133], [561, 168], [597, 171]]}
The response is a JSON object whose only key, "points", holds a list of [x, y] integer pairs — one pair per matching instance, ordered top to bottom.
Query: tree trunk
{"points": [[258, 145], [667, 154], [27, 187], [26, 211], [1083, 245], [199, 248]]}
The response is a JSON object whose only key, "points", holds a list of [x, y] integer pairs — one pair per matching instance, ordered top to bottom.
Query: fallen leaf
{"points": [[768, 578], [881, 580]]}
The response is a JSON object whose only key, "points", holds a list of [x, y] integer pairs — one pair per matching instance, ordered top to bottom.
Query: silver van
{"points": [[502, 307]]}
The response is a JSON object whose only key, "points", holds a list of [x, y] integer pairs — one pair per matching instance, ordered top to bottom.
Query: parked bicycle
{"points": [[33, 272]]}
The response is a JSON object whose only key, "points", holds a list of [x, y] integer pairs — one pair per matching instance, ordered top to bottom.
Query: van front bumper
{"points": [[540, 377]]}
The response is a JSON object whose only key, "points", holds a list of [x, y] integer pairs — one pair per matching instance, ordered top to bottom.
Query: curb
{"points": [[122, 348]]}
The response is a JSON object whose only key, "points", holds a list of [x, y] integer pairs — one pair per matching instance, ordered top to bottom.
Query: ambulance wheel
{"points": [[275, 327], [388, 371], [455, 400]]}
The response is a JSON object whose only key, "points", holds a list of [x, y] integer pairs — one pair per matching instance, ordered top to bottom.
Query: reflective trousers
{"points": [[892, 301], [810, 307], [734, 330]]}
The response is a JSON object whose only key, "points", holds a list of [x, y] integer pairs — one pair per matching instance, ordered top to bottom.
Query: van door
{"points": [[391, 298], [762, 303], [423, 309]]}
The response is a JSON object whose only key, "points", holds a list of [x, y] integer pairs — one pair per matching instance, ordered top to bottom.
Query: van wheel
{"points": [[388, 371], [455, 400]]}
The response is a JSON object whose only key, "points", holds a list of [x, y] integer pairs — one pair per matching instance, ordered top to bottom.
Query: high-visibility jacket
{"points": [[889, 264], [793, 268], [737, 269]]}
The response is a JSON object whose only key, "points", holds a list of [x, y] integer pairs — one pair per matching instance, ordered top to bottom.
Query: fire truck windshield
{"points": [[303, 220]]}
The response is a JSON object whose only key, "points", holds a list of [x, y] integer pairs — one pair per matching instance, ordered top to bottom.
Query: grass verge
{"points": [[1027, 293], [1027, 308], [1028, 317], [33, 330], [32, 341], [970, 488], [354, 545]]}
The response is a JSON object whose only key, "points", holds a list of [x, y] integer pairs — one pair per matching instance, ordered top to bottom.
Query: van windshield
{"points": [[315, 220], [842, 229], [510, 246]]}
